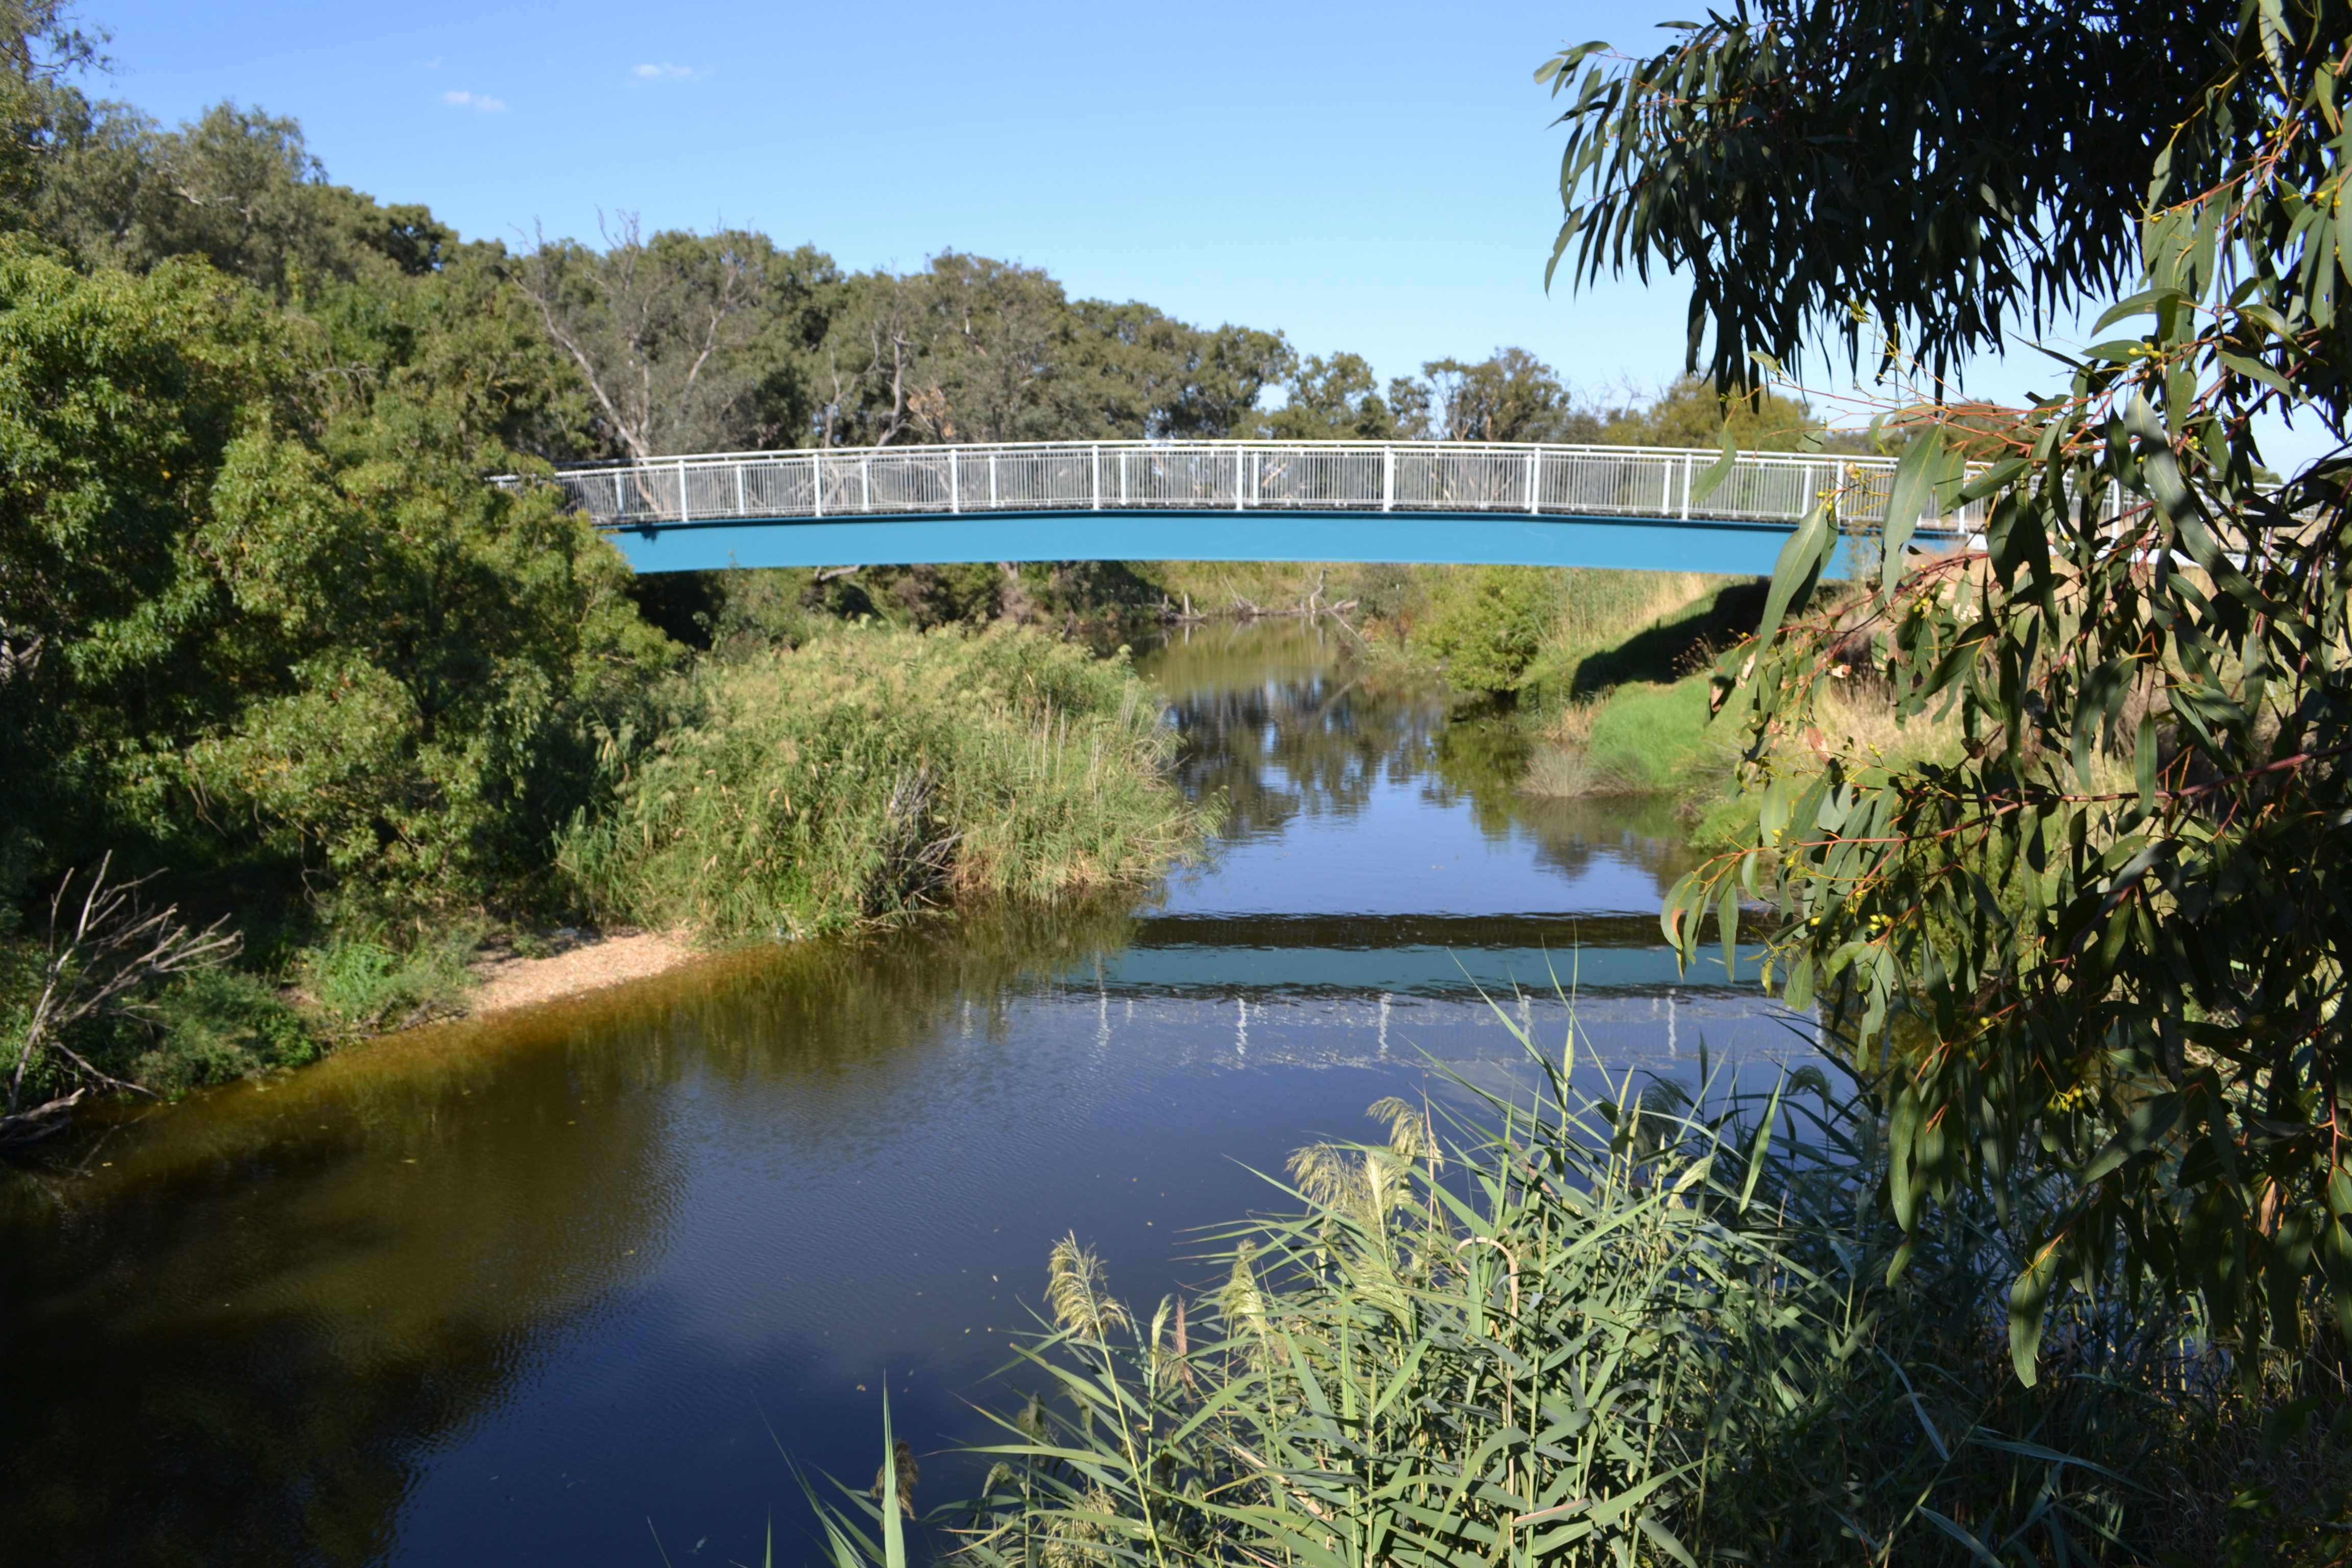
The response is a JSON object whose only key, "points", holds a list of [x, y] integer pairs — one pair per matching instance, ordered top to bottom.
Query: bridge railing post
{"points": [[1095, 466], [1388, 478], [1534, 478], [992, 479], [816, 481], [955, 482], [1686, 486], [684, 515]]}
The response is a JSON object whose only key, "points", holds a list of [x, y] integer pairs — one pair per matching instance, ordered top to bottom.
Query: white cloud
{"points": [[664, 72], [481, 103]]}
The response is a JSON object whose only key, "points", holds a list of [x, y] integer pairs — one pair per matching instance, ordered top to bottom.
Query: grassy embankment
{"points": [[1606, 671]]}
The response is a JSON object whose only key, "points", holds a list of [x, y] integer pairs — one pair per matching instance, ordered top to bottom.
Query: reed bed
{"points": [[870, 772], [1631, 1327]]}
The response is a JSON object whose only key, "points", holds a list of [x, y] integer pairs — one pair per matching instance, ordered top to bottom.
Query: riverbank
{"points": [[811, 777]]}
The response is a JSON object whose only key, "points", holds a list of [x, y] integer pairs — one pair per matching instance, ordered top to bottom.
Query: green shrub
{"points": [[1488, 623], [872, 771], [221, 1024]]}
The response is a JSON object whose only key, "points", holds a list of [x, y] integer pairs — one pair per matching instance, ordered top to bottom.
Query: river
{"points": [[554, 1288]]}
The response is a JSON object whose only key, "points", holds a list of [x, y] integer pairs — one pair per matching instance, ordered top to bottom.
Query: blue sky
{"points": [[1377, 177]]}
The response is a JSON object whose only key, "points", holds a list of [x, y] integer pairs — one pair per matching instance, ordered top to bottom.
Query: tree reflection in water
{"points": [[1289, 720]]}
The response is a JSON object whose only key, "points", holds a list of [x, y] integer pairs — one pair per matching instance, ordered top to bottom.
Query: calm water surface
{"points": [[536, 1290]]}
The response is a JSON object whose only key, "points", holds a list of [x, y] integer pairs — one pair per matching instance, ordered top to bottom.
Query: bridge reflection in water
{"points": [[1627, 506]]}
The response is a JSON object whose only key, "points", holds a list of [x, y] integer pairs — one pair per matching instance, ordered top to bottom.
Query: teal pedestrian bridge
{"points": [[1627, 506]]}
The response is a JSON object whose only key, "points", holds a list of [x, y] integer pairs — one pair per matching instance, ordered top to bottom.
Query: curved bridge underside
{"points": [[1628, 508], [1630, 544]]}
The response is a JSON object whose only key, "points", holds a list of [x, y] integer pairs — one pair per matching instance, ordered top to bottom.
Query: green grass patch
{"points": [[1629, 715], [1649, 732], [368, 979]]}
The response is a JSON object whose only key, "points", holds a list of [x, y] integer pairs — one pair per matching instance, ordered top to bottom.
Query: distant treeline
{"points": [[670, 341]]}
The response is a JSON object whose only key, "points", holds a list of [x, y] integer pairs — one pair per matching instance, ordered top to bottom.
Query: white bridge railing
{"points": [[845, 483]]}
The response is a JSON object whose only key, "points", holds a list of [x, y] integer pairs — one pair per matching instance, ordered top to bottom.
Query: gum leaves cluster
{"points": [[2105, 940]]}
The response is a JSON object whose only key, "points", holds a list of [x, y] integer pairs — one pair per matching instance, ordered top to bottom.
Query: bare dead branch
{"points": [[104, 949]]}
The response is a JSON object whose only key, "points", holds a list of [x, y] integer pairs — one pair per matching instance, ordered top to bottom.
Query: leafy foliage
{"points": [[1939, 175], [686, 343], [1488, 624], [871, 771], [2106, 947]]}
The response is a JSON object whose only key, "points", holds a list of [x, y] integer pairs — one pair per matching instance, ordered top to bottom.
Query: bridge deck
{"points": [[1639, 508]]}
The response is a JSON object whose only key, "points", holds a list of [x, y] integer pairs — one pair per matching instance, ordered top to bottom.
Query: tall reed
{"points": [[870, 772], [1635, 1327]]}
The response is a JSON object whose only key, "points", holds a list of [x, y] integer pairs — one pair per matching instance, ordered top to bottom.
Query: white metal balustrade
{"points": [[847, 483]]}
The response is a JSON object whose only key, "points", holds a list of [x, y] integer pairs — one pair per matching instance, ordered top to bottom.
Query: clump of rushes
{"points": [[871, 771], [1638, 1328]]}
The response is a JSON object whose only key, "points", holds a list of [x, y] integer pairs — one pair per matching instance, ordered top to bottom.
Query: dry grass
{"points": [[1603, 607], [1565, 767]]}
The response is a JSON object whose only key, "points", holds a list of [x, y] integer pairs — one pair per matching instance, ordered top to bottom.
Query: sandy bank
{"points": [[509, 981]]}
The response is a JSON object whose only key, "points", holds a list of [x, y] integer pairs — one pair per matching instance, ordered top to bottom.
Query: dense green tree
{"points": [[42, 49], [972, 349], [997, 352], [1225, 371], [1334, 399], [259, 617], [255, 627], [2106, 951]]}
